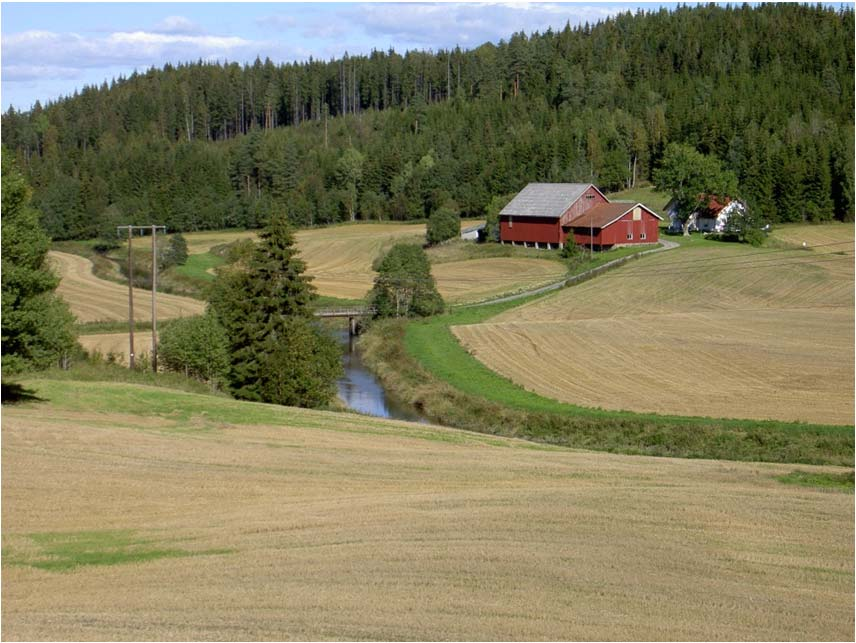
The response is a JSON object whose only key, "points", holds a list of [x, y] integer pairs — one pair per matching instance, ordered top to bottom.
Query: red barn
{"points": [[544, 214]]}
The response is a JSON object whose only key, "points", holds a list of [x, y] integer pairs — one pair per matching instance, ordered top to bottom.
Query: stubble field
{"points": [[92, 299], [712, 329], [137, 513]]}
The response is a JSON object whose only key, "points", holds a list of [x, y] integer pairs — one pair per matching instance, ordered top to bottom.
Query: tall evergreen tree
{"points": [[264, 306], [37, 326]]}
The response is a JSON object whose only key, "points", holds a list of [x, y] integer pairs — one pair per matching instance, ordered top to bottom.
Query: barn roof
{"points": [[545, 199], [604, 214]]}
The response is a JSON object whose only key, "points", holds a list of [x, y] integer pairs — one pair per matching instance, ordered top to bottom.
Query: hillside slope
{"points": [[710, 329], [139, 513]]}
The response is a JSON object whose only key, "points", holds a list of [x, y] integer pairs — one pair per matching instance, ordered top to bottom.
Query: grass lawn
{"points": [[198, 266]]}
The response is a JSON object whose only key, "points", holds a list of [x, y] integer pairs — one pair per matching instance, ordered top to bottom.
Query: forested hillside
{"points": [[767, 89]]}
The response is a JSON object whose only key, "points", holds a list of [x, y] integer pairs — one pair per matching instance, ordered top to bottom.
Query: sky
{"points": [[51, 49]]}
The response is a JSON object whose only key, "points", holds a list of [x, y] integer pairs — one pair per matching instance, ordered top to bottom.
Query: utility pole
{"points": [[130, 229], [154, 296]]}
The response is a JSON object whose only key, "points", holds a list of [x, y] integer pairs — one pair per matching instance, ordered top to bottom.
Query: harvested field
{"points": [[821, 236], [340, 258], [484, 278], [93, 299], [713, 330], [117, 343], [140, 513]]}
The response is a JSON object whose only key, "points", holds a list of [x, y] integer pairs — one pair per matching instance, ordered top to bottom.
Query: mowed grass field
{"points": [[819, 238], [339, 258], [92, 299], [711, 329], [138, 513]]}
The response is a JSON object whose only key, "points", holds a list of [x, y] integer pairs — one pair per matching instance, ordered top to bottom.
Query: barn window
{"points": [[637, 214], [510, 222], [629, 236], [643, 236]]}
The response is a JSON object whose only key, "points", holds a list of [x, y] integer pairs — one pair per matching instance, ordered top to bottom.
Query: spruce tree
{"points": [[263, 304], [37, 326]]}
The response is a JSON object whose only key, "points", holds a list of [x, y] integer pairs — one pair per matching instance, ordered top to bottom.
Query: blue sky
{"points": [[51, 49]]}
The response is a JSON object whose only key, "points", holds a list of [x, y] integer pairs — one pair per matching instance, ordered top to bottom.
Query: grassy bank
{"points": [[422, 363]]}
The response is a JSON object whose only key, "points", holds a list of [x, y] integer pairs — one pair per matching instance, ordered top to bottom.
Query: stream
{"points": [[361, 391]]}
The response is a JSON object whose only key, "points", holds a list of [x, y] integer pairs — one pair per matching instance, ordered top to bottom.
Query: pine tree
{"points": [[264, 306], [37, 327]]}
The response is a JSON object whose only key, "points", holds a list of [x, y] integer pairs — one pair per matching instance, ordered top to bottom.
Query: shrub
{"points": [[443, 224], [197, 347]]}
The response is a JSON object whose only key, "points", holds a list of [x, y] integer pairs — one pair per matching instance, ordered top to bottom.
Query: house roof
{"points": [[545, 199], [604, 214]]}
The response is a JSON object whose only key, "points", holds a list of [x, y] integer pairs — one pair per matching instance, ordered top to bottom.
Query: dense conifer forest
{"points": [[768, 90]]}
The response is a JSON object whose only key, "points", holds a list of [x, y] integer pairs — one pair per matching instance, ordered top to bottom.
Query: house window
{"points": [[629, 236], [643, 236]]}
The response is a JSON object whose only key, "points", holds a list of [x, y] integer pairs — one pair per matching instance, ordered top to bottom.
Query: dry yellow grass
{"points": [[816, 235], [339, 259], [477, 279], [93, 299], [716, 330], [117, 343], [344, 527]]}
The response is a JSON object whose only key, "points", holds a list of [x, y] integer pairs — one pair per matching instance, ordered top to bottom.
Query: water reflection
{"points": [[361, 391]]}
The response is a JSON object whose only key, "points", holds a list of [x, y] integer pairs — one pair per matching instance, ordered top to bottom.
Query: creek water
{"points": [[361, 391]]}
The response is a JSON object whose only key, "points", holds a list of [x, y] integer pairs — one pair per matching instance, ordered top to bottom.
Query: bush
{"points": [[443, 224], [175, 253], [404, 286], [197, 347], [300, 366]]}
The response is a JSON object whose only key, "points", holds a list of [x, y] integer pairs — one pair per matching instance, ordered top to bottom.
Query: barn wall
{"points": [[590, 198], [529, 229], [616, 233]]}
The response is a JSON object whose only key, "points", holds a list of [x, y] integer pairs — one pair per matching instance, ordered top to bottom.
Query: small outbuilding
{"points": [[542, 215]]}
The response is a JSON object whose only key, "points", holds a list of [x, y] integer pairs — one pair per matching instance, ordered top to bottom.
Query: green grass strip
{"points": [[197, 266], [833, 481]]}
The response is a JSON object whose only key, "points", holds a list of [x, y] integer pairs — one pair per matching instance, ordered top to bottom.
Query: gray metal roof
{"points": [[544, 199]]}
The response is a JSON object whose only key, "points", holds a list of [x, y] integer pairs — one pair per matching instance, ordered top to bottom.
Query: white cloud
{"points": [[177, 24], [469, 24], [56, 54]]}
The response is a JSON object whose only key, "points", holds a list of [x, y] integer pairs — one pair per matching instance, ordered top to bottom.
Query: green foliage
{"points": [[767, 89], [691, 178], [492, 211], [443, 224], [572, 251], [175, 253], [404, 286], [263, 304], [37, 327], [197, 347], [299, 365], [821, 480]]}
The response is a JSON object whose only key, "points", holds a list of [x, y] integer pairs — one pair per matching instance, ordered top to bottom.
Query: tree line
{"points": [[767, 90]]}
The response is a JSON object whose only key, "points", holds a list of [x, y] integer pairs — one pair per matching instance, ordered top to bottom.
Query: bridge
{"points": [[352, 313]]}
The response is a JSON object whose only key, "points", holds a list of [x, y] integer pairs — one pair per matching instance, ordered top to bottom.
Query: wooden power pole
{"points": [[154, 230]]}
